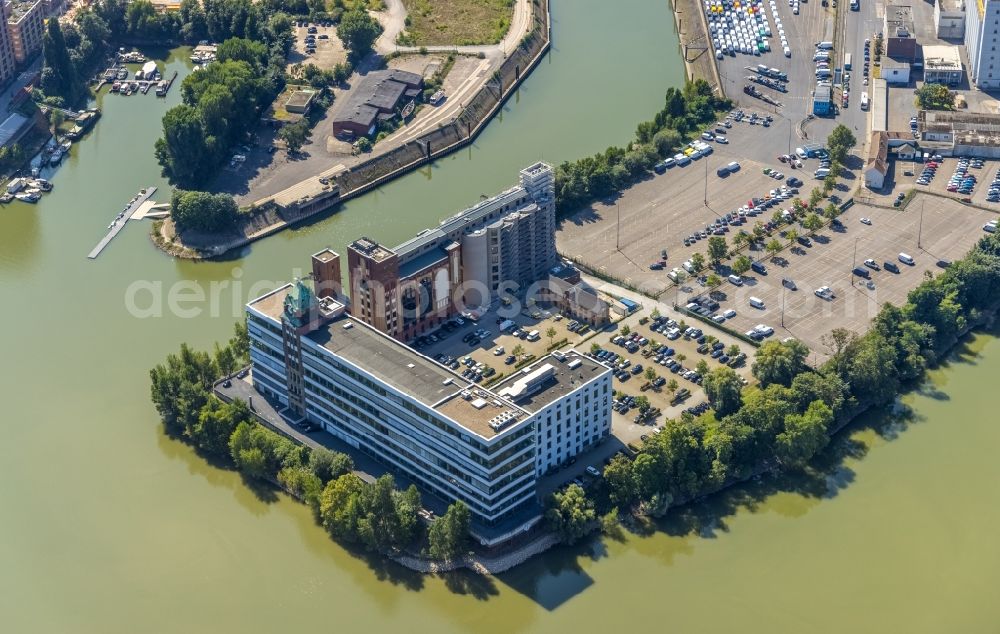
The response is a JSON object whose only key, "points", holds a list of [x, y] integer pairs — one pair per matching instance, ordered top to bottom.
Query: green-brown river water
{"points": [[108, 526]]}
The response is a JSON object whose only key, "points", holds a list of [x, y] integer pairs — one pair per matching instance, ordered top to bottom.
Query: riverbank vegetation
{"points": [[455, 22], [221, 106], [685, 113], [202, 211], [788, 418], [376, 516]]}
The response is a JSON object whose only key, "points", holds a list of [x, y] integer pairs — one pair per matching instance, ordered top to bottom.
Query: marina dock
{"points": [[131, 212]]}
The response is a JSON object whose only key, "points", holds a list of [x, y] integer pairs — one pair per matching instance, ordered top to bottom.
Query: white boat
{"points": [[56, 157], [28, 197]]}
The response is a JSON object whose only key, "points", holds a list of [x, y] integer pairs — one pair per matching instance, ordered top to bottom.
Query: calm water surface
{"points": [[107, 526]]}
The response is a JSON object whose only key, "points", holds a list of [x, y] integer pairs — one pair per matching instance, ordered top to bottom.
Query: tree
{"points": [[358, 31], [240, 49], [59, 76], [935, 97], [294, 135], [667, 141], [839, 143], [184, 152], [830, 182], [814, 197], [202, 211], [831, 211], [812, 222], [792, 236], [741, 239], [774, 246], [717, 249], [697, 261], [741, 265], [713, 281], [625, 331], [550, 332], [595, 348], [733, 350], [518, 351], [225, 360], [779, 362], [702, 367], [650, 374], [672, 386], [723, 387], [180, 388], [642, 403], [216, 423], [804, 435], [329, 465], [620, 480], [340, 507], [570, 513], [448, 536]]}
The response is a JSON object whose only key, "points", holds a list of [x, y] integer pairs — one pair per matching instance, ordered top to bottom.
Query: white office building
{"points": [[982, 35], [455, 439]]}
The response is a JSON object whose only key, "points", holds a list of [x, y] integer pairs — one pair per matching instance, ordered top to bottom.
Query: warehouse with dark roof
{"points": [[377, 97]]}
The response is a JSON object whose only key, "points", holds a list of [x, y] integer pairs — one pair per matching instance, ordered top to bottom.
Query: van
{"points": [[824, 46], [821, 56], [823, 73], [864, 101], [708, 136], [801, 153], [733, 166], [722, 171], [821, 173], [905, 259], [759, 267], [861, 271], [736, 279], [757, 302], [534, 336]]}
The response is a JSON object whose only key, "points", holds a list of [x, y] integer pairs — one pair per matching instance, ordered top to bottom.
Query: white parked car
{"points": [[824, 292]]}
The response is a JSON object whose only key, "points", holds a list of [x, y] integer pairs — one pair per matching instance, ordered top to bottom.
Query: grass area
{"points": [[459, 22]]}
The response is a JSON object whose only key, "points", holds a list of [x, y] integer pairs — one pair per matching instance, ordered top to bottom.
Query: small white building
{"points": [[949, 20], [894, 72]]}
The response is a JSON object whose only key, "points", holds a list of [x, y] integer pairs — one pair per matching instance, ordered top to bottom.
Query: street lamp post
{"points": [[706, 183], [920, 227], [618, 228], [854, 262], [783, 289]]}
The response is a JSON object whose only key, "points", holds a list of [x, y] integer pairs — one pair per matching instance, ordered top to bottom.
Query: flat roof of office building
{"points": [[942, 58], [560, 376], [419, 377]]}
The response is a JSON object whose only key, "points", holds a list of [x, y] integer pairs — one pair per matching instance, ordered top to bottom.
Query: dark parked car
{"points": [[890, 266]]}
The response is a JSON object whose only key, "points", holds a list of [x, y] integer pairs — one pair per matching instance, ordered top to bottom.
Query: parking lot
{"points": [[327, 50], [984, 173], [930, 229], [622, 237]]}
